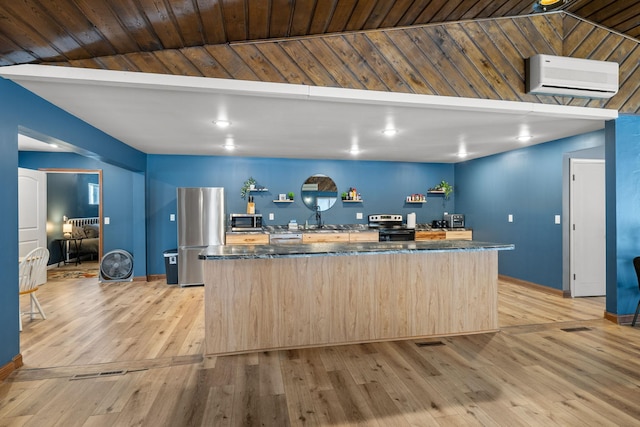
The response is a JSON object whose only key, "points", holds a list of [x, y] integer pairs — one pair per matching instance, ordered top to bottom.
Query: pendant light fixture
{"points": [[547, 5]]}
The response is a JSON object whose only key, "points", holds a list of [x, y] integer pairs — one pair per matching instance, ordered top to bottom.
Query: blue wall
{"points": [[22, 110], [526, 183], [383, 186], [68, 194], [623, 210], [9, 335]]}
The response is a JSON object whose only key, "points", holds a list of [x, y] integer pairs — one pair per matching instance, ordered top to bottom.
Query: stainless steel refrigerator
{"points": [[201, 223]]}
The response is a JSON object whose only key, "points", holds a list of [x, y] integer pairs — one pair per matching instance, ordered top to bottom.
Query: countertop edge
{"points": [[346, 249]]}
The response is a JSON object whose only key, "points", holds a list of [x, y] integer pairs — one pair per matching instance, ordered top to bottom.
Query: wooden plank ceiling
{"points": [[64, 30], [467, 48]]}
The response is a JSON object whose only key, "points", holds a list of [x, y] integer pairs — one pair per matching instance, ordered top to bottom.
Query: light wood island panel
{"points": [[459, 234], [424, 235], [430, 235], [364, 236], [325, 237], [246, 239], [261, 304]]}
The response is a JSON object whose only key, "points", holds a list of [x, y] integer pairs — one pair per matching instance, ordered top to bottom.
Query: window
{"points": [[94, 194]]}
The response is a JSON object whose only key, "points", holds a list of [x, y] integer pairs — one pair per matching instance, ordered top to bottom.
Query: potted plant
{"points": [[248, 184], [445, 187], [290, 195], [344, 195]]}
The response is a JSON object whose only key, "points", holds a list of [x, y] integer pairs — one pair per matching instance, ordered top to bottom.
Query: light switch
{"points": [[358, 215], [271, 216], [172, 217], [510, 218], [557, 219], [107, 220]]}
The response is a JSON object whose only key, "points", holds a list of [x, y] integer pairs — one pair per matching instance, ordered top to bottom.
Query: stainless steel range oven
{"points": [[390, 228]]}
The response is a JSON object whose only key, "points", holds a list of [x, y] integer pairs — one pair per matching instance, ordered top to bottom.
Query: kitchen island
{"points": [[267, 297]]}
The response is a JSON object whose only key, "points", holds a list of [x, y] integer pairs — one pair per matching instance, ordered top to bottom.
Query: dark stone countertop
{"points": [[342, 249]]}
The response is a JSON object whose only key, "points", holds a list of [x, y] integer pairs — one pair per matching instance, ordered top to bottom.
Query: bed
{"points": [[87, 229]]}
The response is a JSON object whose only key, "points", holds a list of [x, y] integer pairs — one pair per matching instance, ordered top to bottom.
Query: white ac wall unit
{"points": [[563, 76]]}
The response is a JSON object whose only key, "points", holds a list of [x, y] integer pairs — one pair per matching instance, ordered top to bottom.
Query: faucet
{"points": [[318, 216]]}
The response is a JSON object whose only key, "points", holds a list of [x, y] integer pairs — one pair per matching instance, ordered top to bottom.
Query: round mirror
{"points": [[319, 192]]}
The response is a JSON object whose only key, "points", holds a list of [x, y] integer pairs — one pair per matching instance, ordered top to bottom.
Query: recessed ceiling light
{"points": [[222, 123], [390, 131], [524, 138], [229, 147], [354, 150], [462, 154]]}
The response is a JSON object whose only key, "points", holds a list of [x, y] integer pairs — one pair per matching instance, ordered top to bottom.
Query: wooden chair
{"points": [[636, 265], [31, 267]]}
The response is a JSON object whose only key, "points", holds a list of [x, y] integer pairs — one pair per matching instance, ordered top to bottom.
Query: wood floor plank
{"points": [[530, 373], [351, 399], [300, 401], [218, 406], [412, 406], [136, 409], [327, 409]]}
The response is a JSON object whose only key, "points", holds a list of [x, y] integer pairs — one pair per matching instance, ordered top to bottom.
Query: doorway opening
{"points": [[74, 215]]}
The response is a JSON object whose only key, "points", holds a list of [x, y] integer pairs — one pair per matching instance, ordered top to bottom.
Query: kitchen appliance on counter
{"points": [[411, 220], [454, 220], [245, 222], [201, 223], [439, 223], [390, 228]]}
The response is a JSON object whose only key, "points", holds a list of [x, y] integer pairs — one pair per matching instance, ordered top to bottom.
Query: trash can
{"points": [[171, 266]]}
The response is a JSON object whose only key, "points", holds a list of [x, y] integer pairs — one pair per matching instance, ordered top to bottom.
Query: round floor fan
{"points": [[116, 266]]}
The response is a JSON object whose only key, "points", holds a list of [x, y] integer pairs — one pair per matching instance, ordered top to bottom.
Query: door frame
{"points": [[100, 206]]}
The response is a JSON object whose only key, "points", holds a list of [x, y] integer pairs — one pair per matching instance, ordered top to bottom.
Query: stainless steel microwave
{"points": [[245, 222]]}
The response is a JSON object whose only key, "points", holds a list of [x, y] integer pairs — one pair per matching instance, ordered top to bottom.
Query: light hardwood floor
{"points": [[136, 351]]}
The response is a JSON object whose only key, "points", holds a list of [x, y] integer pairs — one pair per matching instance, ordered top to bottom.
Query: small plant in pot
{"points": [[248, 184], [445, 187], [290, 195], [344, 195]]}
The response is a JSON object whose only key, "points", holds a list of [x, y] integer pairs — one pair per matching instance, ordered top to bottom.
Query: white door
{"points": [[32, 212], [587, 227]]}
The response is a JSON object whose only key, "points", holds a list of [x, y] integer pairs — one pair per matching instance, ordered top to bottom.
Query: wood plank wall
{"points": [[585, 40], [474, 59]]}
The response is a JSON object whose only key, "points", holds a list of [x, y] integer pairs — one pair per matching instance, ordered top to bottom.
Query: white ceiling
{"points": [[164, 114], [27, 143]]}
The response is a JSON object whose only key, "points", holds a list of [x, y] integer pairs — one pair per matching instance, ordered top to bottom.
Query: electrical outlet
{"points": [[358, 215], [271, 216], [172, 217], [510, 219], [557, 219], [107, 220]]}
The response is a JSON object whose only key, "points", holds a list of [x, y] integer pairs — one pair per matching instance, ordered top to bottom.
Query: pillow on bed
{"points": [[92, 230], [78, 233]]}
